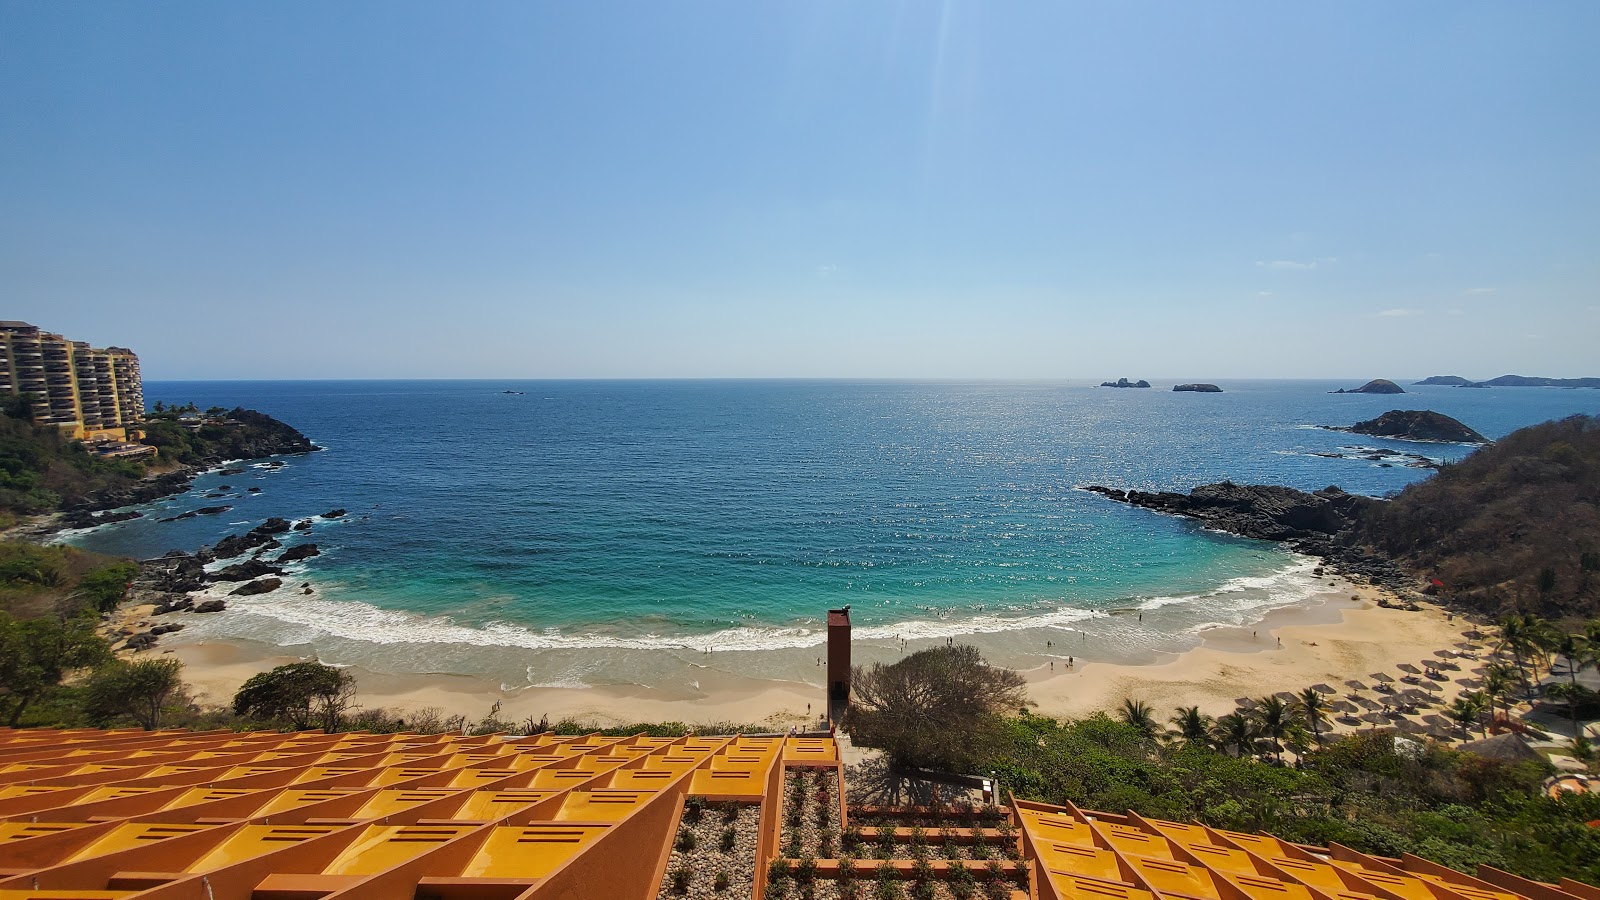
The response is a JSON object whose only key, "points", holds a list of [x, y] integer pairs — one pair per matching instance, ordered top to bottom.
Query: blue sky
{"points": [[834, 189]]}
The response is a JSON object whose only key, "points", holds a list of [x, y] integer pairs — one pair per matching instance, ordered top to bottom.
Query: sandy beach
{"points": [[1344, 634]]}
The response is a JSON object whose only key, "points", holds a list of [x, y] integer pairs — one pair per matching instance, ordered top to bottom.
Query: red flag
{"points": [[1438, 583]]}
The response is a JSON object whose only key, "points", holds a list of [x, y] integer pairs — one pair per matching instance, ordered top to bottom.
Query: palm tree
{"points": [[1525, 636], [1579, 653], [1498, 680], [1313, 710], [1464, 711], [1140, 715], [1272, 721], [1193, 725], [1235, 732]]}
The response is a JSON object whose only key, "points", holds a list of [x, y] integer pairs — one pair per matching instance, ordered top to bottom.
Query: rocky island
{"points": [[1449, 380], [1512, 381], [1125, 383], [1375, 386], [1198, 388], [1422, 425]]}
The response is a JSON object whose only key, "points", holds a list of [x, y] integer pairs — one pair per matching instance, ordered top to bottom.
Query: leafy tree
{"points": [[105, 588], [36, 653], [1498, 681], [141, 690], [297, 694], [929, 709], [1193, 726]]}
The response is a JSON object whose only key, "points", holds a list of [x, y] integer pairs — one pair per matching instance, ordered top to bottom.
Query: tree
{"points": [[105, 588], [1578, 652], [36, 653], [1498, 680], [140, 690], [297, 694], [928, 709], [1313, 710], [1464, 711], [1140, 715], [1272, 721], [1193, 726], [1236, 732]]}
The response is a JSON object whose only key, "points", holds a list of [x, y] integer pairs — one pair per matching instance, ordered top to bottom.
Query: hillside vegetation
{"points": [[41, 471], [1513, 527]]}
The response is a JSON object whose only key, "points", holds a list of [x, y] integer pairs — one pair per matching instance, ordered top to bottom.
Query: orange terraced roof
{"points": [[266, 816]]}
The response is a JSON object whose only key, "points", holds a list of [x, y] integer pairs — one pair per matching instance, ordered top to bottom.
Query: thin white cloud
{"points": [[1286, 264], [827, 270], [1480, 290], [1263, 293], [1399, 313]]}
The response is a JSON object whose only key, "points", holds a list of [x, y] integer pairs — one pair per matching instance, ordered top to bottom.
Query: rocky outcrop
{"points": [[1450, 380], [1125, 383], [1375, 386], [1198, 387], [1416, 425], [147, 490], [202, 511], [334, 514], [83, 518], [1322, 524], [303, 525], [295, 554], [245, 571], [264, 586], [210, 606]]}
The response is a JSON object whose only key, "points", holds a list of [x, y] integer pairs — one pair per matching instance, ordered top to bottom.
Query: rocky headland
{"points": [[1448, 380], [1375, 386], [1198, 387], [1422, 425], [242, 434], [1321, 524]]}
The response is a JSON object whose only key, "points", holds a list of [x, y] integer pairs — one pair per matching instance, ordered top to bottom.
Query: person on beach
{"points": [[1069, 662]]}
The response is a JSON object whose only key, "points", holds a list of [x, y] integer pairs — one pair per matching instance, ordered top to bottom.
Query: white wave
{"points": [[309, 618]]}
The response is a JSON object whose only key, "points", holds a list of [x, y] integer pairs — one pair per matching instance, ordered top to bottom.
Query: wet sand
{"points": [[1326, 640]]}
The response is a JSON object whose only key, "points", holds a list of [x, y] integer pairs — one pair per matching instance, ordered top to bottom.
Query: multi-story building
{"points": [[95, 394]]}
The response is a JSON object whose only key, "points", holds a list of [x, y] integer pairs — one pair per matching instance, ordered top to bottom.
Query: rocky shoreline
{"points": [[1323, 524]]}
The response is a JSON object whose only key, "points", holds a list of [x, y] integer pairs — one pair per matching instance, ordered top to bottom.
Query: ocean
{"points": [[545, 532]]}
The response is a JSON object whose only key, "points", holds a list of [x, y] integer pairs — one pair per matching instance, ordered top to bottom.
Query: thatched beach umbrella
{"points": [[1408, 667], [1381, 677], [1352, 683], [1433, 687], [1323, 689], [1286, 696], [1244, 702], [1366, 703], [1343, 706], [1375, 718], [1350, 719]]}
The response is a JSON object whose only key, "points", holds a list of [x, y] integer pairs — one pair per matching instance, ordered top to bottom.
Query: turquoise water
{"points": [[731, 515]]}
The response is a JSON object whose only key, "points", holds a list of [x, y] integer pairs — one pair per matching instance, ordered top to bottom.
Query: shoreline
{"points": [[1327, 640]]}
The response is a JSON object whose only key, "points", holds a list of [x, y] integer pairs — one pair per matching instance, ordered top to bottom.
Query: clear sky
{"points": [[828, 188]]}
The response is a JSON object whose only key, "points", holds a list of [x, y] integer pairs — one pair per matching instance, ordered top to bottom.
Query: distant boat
{"points": [[513, 392]]}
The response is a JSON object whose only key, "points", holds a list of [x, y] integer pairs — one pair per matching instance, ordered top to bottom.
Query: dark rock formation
{"points": [[1452, 380], [1125, 383], [1375, 386], [1198, 387], [1417, 425], [231, 470], [255, 490], [202, 511], [334, 513], [85, 519], [1322, 524], [273, 525], [303, 525], [295, 554], [245, 571], [265, 585], [210, 606]]}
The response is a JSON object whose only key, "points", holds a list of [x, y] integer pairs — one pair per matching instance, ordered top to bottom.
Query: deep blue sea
{"points": [[590, 515]]}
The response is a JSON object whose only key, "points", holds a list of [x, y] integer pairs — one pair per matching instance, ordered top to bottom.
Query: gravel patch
{"points": [[698, 852]]}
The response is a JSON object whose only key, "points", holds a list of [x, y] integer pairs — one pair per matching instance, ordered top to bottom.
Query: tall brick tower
{"points": [[838, 664]]}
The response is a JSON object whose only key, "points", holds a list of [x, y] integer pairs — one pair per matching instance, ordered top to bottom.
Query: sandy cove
{"points": [[1327, 642]]}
